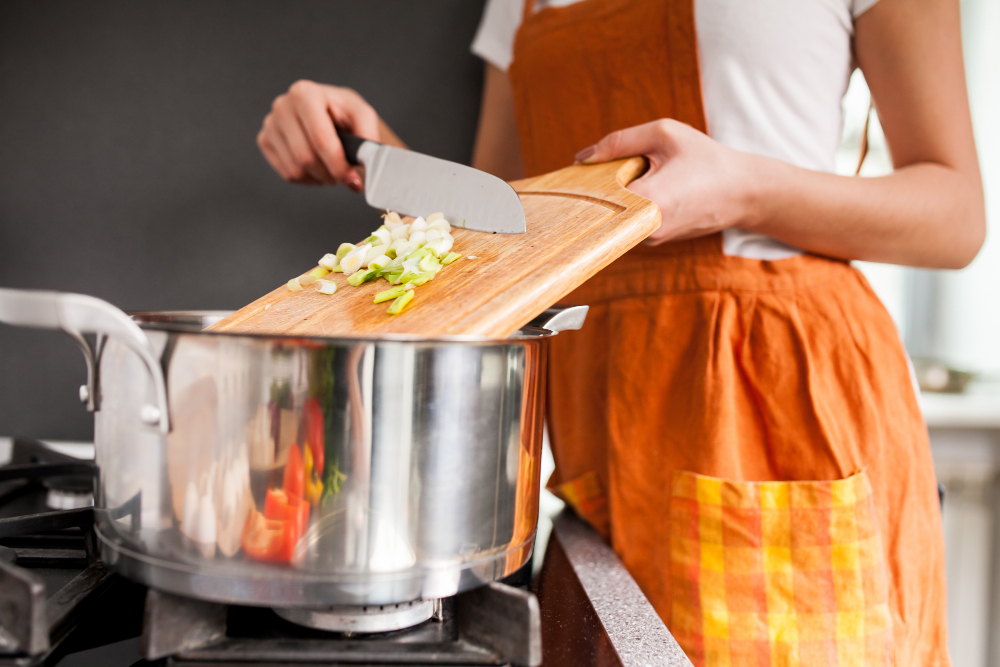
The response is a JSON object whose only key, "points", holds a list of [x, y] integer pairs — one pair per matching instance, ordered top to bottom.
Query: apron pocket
{"points": [[778, 573]]}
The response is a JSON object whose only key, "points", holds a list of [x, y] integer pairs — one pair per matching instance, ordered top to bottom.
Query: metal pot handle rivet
{"points": [[77, 314]]}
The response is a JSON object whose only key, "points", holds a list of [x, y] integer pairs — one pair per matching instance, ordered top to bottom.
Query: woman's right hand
{"points": [[299, 136]]}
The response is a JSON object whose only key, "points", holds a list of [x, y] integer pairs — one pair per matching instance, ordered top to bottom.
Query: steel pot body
{"points": [[304, 472]]}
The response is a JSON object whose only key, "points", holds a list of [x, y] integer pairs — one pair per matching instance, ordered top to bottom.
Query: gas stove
{"points": [[60, 606]]}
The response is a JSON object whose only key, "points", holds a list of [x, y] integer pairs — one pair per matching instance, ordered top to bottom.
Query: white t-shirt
{"points": [[773, 73]]}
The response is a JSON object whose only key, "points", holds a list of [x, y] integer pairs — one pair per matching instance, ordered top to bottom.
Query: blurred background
{"points": [[129, 170]]}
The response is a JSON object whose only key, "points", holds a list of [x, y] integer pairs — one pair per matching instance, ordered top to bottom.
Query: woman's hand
{"points": [[299, 137], [700, 185]]}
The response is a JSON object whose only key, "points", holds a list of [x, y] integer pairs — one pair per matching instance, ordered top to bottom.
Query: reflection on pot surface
{"points": [[320, 471]]}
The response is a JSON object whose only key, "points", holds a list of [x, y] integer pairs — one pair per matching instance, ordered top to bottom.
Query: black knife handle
{"points": [[352, 144]]}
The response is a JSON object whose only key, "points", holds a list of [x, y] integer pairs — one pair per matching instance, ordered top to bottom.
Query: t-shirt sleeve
{"points": [[859, 7], [494, 41]]}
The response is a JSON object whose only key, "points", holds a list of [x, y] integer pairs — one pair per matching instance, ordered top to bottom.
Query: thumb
{"points": [[638, 140]]}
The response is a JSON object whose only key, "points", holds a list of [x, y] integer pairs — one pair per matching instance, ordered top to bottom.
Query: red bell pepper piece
{"points": [[315, 433], [295, 474], [291, 511], [266, 540]]}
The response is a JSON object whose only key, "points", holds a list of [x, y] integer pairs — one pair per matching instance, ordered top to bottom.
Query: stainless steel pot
{"points": [[305, 472]]}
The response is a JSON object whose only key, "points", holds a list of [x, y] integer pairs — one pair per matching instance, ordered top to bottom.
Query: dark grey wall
{"points": [[128, 168]]}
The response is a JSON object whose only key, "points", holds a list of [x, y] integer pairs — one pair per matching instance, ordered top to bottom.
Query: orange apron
{"points": [[745, 432]]}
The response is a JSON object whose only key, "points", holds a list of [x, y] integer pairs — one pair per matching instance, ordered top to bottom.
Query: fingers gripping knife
{"points": [[77, 314]]}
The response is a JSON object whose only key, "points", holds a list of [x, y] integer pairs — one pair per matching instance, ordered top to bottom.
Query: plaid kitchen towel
{"points": [[778, 573]]}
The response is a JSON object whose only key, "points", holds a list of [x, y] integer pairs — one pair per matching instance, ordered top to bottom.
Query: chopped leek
{"points": [[344, 249], [449, 258], [362, 276], [294, 285], [326, 287], [390, 294], [400, 303]]}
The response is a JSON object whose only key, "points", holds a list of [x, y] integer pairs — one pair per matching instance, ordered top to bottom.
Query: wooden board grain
{"points": [[579, 220]]}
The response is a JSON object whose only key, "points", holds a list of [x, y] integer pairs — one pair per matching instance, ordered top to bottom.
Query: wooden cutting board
{"points": [[579, 220]]}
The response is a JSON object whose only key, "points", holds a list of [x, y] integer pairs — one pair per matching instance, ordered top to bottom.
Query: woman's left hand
{"points": [[700, 185]]}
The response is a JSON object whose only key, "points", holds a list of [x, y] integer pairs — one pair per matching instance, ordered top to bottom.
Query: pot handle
{"points": [[77, 314], [561, 318]]}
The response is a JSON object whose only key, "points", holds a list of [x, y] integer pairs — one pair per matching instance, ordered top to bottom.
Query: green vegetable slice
{"points": [[344, 249], [449, 258], [429, 263], [362, 276], [422, 278], [390, 294], [400, 303]]}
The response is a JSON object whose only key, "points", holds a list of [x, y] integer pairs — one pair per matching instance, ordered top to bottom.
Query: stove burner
{"points": [[69, 492], [371, 618]]}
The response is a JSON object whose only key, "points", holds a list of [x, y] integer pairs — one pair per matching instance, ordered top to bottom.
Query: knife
{"points": [[411, 183]]}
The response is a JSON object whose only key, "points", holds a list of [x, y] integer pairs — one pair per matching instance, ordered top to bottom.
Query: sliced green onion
{"points": [[372, 240], [344, 249], [418, 254], [449, 258], [328, 261], [379, 263], [429, 263], [337, 269], [362, 276], [422, 278], [294, 285], [326, 287], [390, 294], [400, 303]]}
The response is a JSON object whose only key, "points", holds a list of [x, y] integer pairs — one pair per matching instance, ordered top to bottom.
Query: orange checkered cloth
{"points": [[778, 573]]}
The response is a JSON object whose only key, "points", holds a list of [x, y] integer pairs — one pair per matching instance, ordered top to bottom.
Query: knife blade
{"points": [[412, 183]]}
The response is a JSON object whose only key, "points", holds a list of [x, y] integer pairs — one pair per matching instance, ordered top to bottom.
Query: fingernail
{"points": [[585, 153], [354, 183]]}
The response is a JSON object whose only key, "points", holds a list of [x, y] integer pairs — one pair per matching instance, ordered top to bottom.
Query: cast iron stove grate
{"points": [[49, 571], [494, 625]]}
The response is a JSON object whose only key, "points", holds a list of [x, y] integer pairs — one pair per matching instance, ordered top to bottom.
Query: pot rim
{"points": [[185, 321]]}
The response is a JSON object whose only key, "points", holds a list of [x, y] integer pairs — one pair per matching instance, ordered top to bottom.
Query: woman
{"points": [[737, 416]]}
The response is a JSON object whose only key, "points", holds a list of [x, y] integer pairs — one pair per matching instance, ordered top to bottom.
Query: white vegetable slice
{"points": [[434, 217], [392, 219], [441, 224], [418, 225], [401, 232], [433, 233], [384, 235], [418, 237], [440, 246], [406, 248], [344, 249], [391, 250], [373, 252], [353, 260], [329, 261], [379, 262], [294, 285], [326, 287]]}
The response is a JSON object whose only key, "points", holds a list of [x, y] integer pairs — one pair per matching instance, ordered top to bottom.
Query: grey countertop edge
{"points": [[638, 635]]}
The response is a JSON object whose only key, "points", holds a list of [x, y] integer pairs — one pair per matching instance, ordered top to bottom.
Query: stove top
{"points": [[60, 607]]}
